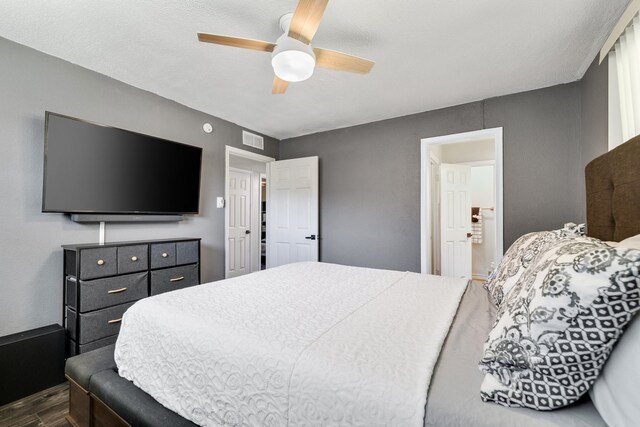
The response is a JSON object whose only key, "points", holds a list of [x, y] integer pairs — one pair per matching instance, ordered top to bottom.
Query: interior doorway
{"points": [[461, 203], [245, 207], [263, 221]]}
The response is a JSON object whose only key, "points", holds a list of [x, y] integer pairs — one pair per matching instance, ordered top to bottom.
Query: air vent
{"points": [[252, 140]]}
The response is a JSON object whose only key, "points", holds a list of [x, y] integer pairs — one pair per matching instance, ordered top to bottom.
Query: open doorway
{"points": [[461, 204], [245, 207], [263, 221]]}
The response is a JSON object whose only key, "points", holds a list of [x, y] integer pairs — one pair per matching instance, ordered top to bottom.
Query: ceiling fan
{"points": [[292, 57]]}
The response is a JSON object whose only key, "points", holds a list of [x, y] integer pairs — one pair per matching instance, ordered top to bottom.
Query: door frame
{"points": [[238, 152], [434, 166], [425, 188]]}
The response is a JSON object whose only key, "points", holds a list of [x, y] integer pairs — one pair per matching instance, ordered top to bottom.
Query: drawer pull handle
{"points": [[164, 254], [134, 258], [100, 262], [176, 279], [116, 291], [115, 321]]}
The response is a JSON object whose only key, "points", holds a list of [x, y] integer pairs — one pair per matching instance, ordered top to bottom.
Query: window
{"points": [[623, 48]]}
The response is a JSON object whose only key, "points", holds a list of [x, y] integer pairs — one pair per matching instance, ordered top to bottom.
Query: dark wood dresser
{"points": [[102, 281]]}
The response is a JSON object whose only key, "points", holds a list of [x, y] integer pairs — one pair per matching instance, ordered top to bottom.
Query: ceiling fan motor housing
{"points": [[285, 22], [292, 60]]}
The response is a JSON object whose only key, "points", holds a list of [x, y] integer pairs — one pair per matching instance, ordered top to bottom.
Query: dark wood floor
{"points": [[45, 409]]}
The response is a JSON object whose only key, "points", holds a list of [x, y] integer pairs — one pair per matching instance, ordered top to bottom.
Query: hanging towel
{"points": [[474, 214], [476, 225]]}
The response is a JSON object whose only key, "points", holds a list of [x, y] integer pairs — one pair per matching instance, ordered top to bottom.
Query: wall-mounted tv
{"points": [[91, 168]]}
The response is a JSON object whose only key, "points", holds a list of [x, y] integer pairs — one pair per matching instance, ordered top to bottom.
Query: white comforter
{"points": [[302, 344]]}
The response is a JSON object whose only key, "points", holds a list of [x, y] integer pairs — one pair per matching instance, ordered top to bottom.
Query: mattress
{"points": [[301, 344], [454, 395]]}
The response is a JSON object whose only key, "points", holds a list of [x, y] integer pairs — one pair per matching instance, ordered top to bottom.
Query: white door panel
{"points": [[239, 204], [292, 211], [455, 215]]}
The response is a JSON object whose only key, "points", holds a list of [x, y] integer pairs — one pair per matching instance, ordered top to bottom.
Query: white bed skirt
{"points": [[301, 344]]}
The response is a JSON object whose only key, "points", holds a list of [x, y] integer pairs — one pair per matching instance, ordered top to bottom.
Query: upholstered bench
{"points": [[99, 396]]}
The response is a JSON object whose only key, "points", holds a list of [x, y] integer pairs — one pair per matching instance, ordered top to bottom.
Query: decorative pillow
{"points": [[572, 229], [521, 253], [559, 323], [615, 392]]}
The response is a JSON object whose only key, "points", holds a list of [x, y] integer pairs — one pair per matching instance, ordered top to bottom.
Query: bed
{"points": [[447, 369]]}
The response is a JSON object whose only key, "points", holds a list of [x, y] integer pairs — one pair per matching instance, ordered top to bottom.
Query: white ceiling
{"points": [[429, 53]]}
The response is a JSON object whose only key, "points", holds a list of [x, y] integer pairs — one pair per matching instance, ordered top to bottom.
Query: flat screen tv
{"points": [[91, 168]]}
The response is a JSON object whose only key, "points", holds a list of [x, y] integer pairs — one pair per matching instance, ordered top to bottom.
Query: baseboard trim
{"points": [[32, 361]]}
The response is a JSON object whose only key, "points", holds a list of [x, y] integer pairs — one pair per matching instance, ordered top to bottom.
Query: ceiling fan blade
{"points": [[306, 19], [236, 42], [334, 60], [279, 86]]}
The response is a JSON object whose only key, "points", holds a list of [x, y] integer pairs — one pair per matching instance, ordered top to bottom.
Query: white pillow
{"points": [[630, 243], [615, 392]]}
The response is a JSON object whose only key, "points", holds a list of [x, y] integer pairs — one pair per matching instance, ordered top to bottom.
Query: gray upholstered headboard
{"points": [[613, 193]]}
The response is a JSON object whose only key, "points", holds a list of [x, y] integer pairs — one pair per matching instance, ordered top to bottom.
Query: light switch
{"points": [[220, 202]]}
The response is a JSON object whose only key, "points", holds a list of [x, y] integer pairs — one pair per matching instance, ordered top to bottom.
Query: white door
{"points": [[292, 211], [455, 220], [239, 223]]}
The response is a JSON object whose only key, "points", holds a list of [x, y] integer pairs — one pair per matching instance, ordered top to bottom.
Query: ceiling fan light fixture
{"points": [[292, 60]]}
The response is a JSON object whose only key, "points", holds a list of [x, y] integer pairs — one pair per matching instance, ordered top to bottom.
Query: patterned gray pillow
{"points": [[572, 229], [520, 255], [515, 261], [559, 323]]}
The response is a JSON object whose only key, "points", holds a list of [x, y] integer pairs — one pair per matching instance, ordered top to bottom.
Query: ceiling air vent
{"points": [[252, 140]]}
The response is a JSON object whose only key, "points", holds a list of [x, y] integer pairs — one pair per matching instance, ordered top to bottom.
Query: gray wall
{"points": [[594, 129], [541, 163], [370, 174], [30, 255]]}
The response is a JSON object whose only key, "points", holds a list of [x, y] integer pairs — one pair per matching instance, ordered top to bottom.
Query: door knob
{"points": [[247, 231], [469, 235], [312, 237]]}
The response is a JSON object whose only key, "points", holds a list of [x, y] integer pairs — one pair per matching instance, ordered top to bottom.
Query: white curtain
{"points": [[627, 65]]}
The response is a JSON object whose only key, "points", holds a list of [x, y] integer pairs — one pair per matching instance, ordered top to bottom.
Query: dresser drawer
{"points": [[187, 252], [163, 255], [132, 259], [99, 262], [173, 278], [101, 293], [97, 324]]}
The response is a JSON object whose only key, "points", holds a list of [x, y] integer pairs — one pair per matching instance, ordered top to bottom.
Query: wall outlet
{"points": [[220, 202]]}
